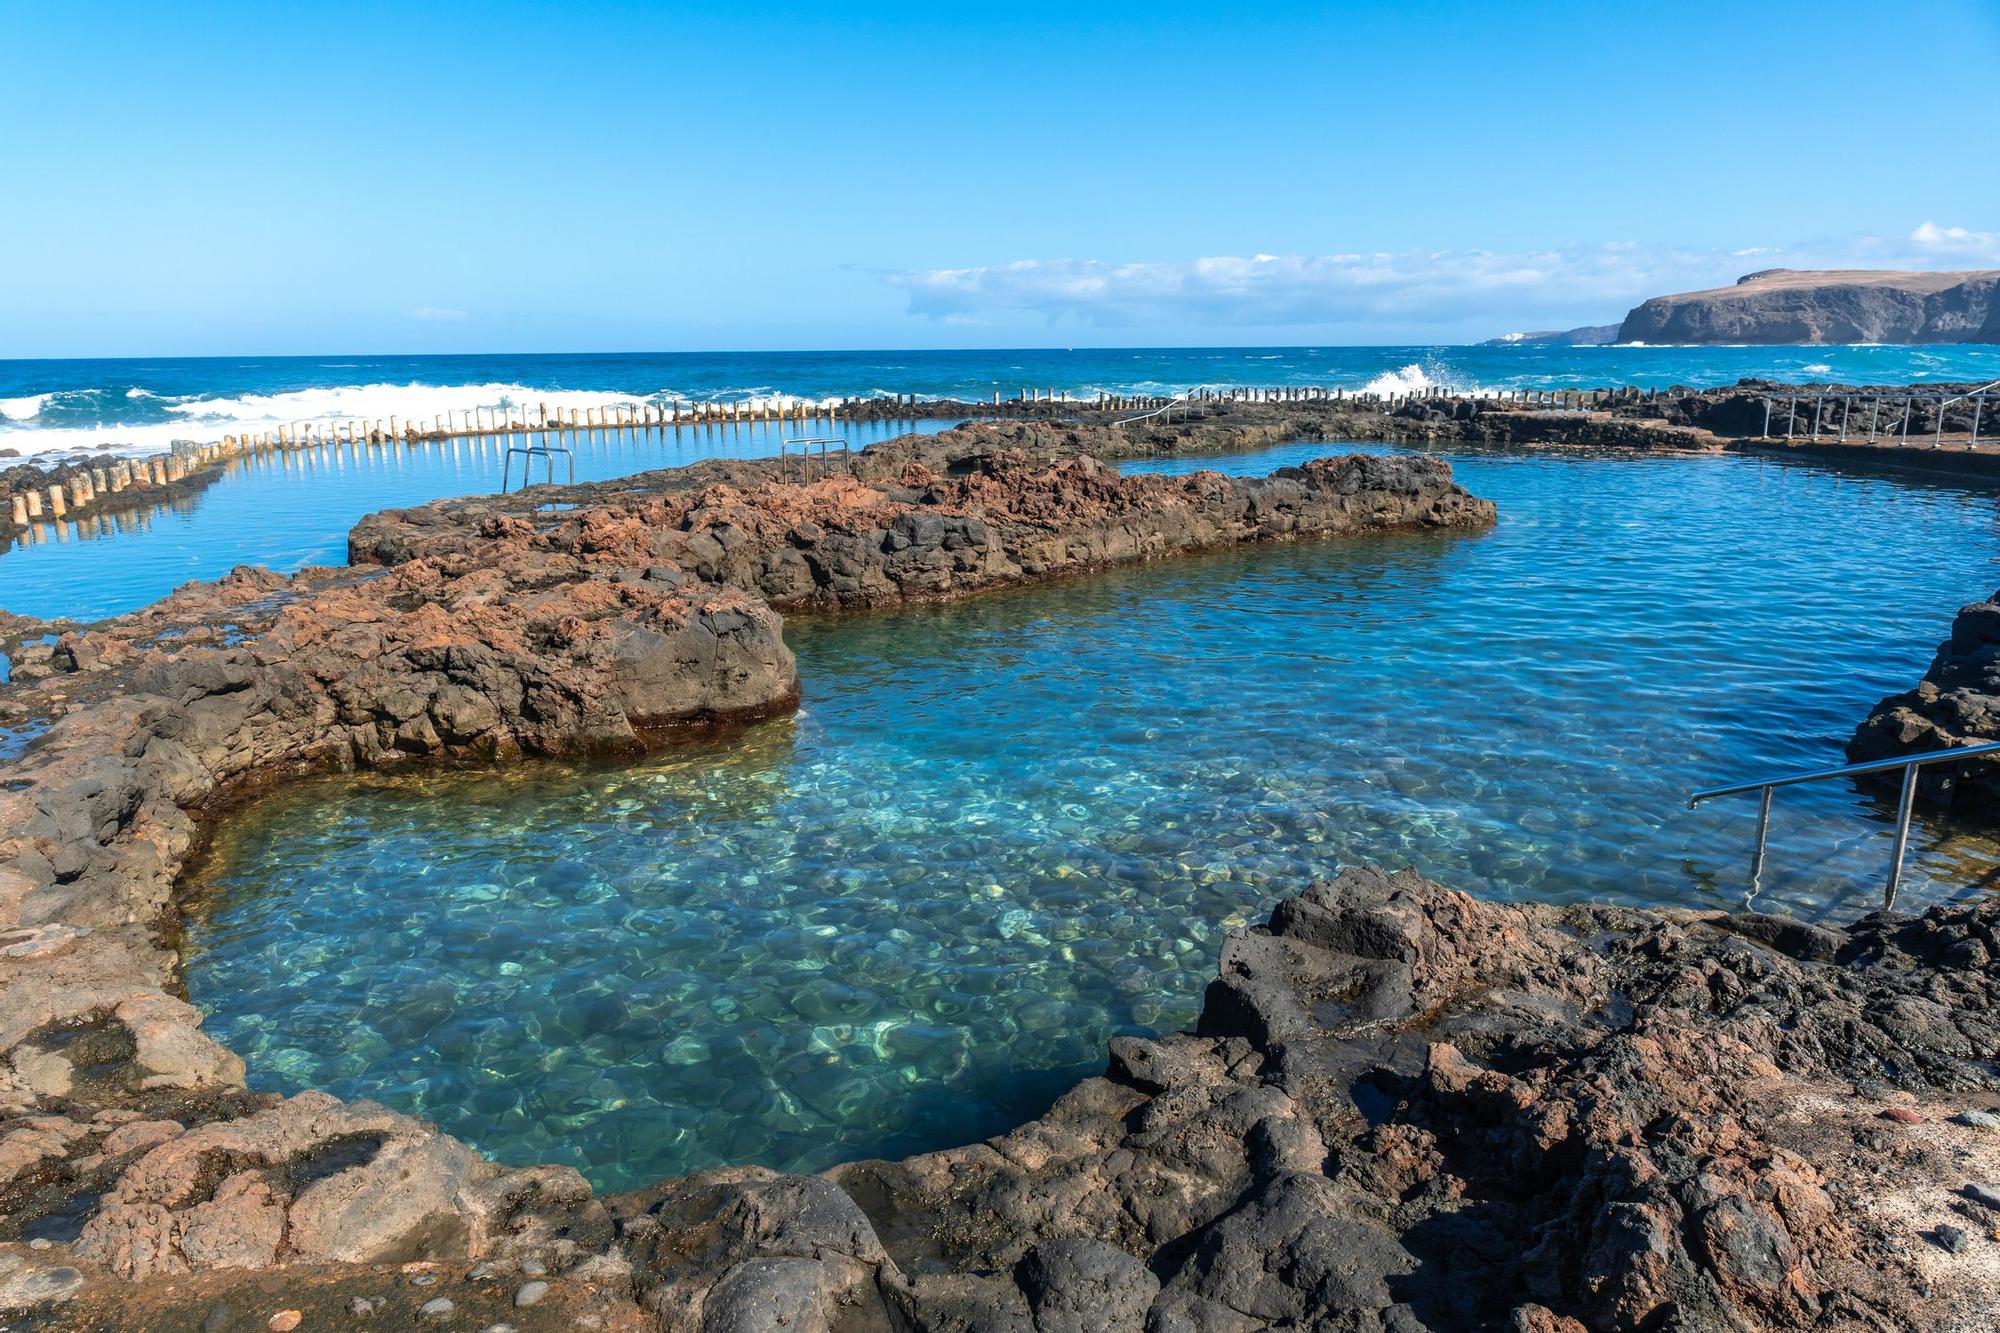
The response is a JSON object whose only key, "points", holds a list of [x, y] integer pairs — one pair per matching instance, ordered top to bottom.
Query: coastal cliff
{"points": [[1784, 305]]}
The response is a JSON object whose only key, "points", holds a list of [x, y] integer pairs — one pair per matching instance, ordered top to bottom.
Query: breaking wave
{"points": [[1417, 377], [135, 420]]}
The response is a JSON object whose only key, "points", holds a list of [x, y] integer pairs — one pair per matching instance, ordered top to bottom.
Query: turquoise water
{"points": [[291, 510], [289, 514], [1000, 831]]}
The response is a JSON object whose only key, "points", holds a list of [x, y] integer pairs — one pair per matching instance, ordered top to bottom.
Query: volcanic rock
{"points": [[1956, 704]]}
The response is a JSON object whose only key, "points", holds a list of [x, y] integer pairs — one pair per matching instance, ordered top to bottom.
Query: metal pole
{"points": [[1819, 407], [1978, 408], [1874, 410], [1846, 411], [1791, 417], [1767, 418], [1906, 419], [1938, 442], [1903, 805], [1763, 829]]}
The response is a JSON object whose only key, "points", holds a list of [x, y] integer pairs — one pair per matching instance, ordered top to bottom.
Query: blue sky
{"points": [[207, 178]]}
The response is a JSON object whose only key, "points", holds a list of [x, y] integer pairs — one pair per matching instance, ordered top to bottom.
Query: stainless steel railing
{"points": [[1180, 400], [1874, 401], [827, 447], [547, 450], [1905, 802]]}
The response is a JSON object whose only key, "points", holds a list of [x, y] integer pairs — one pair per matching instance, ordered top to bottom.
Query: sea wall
{"points": [[1756, 415], [34, 497]]}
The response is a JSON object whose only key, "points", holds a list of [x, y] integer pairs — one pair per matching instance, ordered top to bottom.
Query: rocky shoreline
{"points": [[1956, 704], [1402, 1108], [131, 1146]]}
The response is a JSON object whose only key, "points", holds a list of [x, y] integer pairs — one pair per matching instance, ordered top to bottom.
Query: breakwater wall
{"points": [[1947, 421]]}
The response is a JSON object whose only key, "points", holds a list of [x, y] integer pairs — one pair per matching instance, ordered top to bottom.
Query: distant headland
{"points": [[1791, 306]]}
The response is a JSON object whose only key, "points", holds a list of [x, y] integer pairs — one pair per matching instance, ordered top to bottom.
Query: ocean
{"points": [[143, 405]]}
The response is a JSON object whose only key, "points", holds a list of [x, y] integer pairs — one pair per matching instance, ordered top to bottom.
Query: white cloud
{"points": [[1957, 242], [1546, 288], [1281, 289], [435, 312]]}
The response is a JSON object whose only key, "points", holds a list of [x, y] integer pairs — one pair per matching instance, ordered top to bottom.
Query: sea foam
{"points": [[207, 419]]}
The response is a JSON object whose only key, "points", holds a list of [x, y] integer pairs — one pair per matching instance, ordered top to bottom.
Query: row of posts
{"points": [[1574, 399], [513, 420], [501, 421], [86, 486]]}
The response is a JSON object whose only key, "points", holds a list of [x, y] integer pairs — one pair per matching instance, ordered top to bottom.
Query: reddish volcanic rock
{"points": [[939, 516], [501, 629], [1402, 1108]]}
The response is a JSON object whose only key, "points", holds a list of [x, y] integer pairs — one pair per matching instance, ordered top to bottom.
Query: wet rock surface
{"points": [[1956, 704]]}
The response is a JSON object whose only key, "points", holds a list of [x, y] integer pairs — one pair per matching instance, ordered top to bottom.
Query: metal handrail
{"points": [[1969, 393], [1182, 399], [805, 444], [529, 453], [1905, 802]]}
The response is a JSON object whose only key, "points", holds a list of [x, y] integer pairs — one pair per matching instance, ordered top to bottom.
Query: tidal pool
{"points": [[998, 832]]}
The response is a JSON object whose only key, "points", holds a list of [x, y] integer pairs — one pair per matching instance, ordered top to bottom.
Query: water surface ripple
{"points": [[1000, 831]]}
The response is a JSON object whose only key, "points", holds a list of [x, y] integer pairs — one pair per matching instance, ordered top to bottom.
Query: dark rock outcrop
{"points": [[1784, 305], [1956, 704], [1405, 1108]]}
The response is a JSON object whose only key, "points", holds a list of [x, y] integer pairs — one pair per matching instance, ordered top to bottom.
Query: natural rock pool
{"points": [[1000, 831]]}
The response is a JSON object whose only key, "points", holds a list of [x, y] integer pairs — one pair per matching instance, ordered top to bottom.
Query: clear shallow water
{"points": [[148, 402], [291, 510], [998, 832]]}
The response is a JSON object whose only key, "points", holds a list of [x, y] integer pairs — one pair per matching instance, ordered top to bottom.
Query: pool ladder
{"points": [[814, 449], [529, 453], [1905, 802]]}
